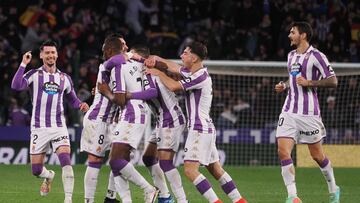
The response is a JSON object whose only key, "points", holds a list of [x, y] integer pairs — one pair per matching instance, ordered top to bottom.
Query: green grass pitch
{"points": [[257, 184]]}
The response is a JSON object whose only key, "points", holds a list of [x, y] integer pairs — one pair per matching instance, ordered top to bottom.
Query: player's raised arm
{"points": [[115, 60], [161, 63], [20, 82], [327, 82], [169, 83], [150, 91], [117, 98], [74, 100], [76, 103]]}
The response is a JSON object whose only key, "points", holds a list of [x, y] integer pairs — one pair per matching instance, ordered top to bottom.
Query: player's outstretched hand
{"points": [[26, 58], [280, 87], [84, 107]]}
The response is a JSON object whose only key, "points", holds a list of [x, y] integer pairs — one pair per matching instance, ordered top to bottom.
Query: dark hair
{"points": [[303, 27], [118, 35], [49, 43], [113, 43], [199, 49], [142, 50]]}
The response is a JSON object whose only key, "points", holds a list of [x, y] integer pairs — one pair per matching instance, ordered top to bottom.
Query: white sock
{"points": [[45, 173], [130, 173], [328, 173], [288, 174], [174, 179], [159, 180], [68, 181], [90, 181], [226, 183], [202, 184], [122, 187], [111, 192]]}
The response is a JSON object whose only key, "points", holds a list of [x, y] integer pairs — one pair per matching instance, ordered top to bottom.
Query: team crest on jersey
{"points": [[295, 69], [51, 88]]}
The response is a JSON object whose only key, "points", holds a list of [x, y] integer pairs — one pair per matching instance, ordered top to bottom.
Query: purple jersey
{"points": [[312, 65], [129, 77], [198, 87], [47, 92], [165, 105], [102, 108]]}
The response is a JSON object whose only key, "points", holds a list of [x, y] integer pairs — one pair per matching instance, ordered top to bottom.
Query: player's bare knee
{"points": [[120, 151], [283, 153], [317, 155], [93, 158], [318, 158], [149, 160], [216, 170], [190, 172]]}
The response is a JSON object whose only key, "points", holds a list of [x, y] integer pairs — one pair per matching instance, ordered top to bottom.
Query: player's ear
{"points": [[303, 36], [41, 55], [195, 58]]}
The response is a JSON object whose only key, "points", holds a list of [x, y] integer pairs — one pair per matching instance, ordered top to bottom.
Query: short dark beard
{"points": [[51, 65]]}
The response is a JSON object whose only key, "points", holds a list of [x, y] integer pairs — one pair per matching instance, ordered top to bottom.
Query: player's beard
{"points": [[294, 43], [50, 64]]}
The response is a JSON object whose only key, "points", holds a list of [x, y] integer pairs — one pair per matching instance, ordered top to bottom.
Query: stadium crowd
{"points": [[232, 29]]}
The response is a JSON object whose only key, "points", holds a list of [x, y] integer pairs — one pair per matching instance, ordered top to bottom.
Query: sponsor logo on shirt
{"points": [[295, 69], [51, 88]]}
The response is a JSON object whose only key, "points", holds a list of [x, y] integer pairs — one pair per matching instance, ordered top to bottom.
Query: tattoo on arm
{"points": [[328, 82]]}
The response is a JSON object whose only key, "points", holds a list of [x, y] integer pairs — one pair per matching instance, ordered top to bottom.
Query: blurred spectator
{"points": [[133, 9], [32, 38], [348, 101], [331, 115], [18, 116], [227, 119]]}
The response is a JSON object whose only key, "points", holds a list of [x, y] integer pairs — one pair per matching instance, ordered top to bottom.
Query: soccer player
{"points": [[48, 86], [300, 119], [98, 126], [131, 127], [165, 139], [200, 145]]}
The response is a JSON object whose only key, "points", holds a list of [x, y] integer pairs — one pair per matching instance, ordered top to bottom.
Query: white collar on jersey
{"points": [[56, 70]]}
